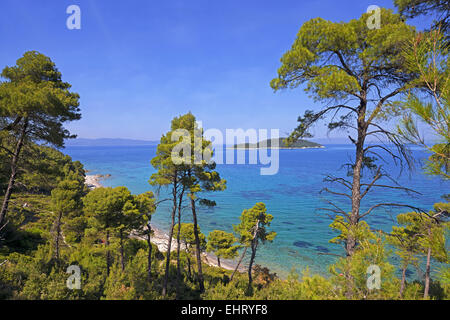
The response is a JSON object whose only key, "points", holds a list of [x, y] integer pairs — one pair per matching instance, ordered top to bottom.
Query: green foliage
{"points": [[436, 8], [361, 47], [338, 61], [354, 71], [35, 92], [428, 100], [35, 104], [184, 151], [183, 162], [4, 166], [44, 167], [66, 197], [67, 205], [145, 205], [107, 208], [115, 213], [255, 216], [106, 219], [29, 224], [252, 230], [360, 232], [426, 232], [188, 238], [405, 240], [221, 244], [350, 273], [35, 277], [444, 278], [132, 284], [118, 287], [309, 287], [233, 291]]}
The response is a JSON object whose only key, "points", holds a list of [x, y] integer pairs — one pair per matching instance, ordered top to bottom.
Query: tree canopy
{"points": [[355, 72], [34, 106], [221, 244]]}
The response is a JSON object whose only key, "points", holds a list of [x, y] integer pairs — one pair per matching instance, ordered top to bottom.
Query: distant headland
{"points": [[107, 142], [279, 144]]}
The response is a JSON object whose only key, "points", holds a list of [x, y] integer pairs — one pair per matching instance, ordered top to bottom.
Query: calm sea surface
{"points": [[292, 196]]}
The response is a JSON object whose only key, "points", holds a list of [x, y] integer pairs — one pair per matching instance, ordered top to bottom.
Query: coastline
{"points": [[274, 148], [92, 181], [160, 238]]}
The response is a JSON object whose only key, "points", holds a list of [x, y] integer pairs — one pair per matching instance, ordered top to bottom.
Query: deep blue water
{"points": [[292, 196]]}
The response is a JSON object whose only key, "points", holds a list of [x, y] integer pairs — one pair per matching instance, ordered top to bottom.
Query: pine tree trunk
{"points": [[12, 178], [356, 183], [356, 197], [58, 234], [179, 241], [351, 241], [169, 243], [254, 244], [198, 249], [122, 253], [108, 254], [149, 257], [239, 263], [189, 266], [250, 266], [427, 274], [402, 284]]}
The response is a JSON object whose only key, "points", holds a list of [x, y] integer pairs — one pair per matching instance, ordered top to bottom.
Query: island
{"points": [[267, 144]]}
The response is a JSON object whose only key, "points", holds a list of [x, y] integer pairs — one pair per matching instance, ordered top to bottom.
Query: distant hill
{"points": [[105, 142], [301, 144]]}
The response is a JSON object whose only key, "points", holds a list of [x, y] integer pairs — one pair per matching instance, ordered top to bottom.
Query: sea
{"points": [[295, 197]]}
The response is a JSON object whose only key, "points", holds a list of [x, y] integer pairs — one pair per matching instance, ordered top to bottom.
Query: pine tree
{"points": [[355, 72], [35, 104], [184, 163], [169, 174], [200, 177], [66, 199], [146, 205], [109, 210], [253, 230], [427, 230], [188, 238], [405, 240], [221, 244]]}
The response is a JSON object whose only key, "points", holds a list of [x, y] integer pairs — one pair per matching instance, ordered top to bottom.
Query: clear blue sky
{"points": [[137, 64]]}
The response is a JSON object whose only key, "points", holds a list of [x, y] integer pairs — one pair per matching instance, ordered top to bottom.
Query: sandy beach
{"points": [[92, 181], [161, 238]]}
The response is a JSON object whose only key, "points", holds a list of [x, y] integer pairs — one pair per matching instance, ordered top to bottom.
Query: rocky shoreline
{"points": [[92, 181]]}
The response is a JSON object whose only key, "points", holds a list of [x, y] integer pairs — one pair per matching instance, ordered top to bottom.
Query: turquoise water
{"points": [[292, 196]]}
